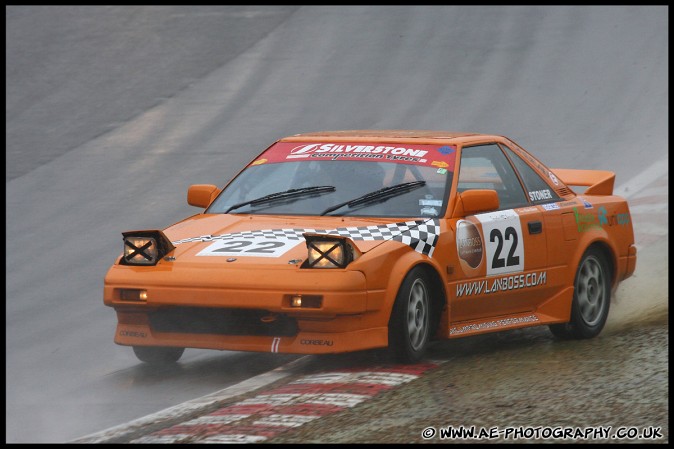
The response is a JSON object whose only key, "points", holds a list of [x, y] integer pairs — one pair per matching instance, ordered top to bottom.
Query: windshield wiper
{"points": [[292, 193], [378, 195]]}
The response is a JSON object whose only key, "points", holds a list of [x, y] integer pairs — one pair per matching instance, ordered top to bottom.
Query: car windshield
{"points": [[410, 182]]}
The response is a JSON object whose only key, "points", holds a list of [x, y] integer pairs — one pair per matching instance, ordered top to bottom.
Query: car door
{"points": [[507, 276]]}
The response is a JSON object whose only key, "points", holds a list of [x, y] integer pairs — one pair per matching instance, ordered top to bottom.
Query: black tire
{"points": [[591, 298], [409, 329], [158, 355]]}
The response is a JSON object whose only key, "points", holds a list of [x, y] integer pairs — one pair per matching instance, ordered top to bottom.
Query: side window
{"points": [[486, 167], [538, 190]]}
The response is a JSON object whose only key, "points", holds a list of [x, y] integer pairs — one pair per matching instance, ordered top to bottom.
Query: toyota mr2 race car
{"points": [[344, 241]]}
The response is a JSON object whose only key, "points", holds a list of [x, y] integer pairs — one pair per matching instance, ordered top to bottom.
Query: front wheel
{"points": [[591, 298], [410, 323], [158, 355]]}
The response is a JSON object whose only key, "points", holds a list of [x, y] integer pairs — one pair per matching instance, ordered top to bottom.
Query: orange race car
{"points": [[350, 240]]}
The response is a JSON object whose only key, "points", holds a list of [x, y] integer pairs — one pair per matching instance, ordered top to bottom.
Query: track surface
{"points": [[113, 111]]}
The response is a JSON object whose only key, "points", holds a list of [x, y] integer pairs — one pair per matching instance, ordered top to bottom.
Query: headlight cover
{"points": [[144, 247], [329, 251]]}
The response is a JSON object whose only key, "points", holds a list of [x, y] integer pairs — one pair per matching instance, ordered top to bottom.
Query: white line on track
{"points": [[643, 179], [193, 406]]}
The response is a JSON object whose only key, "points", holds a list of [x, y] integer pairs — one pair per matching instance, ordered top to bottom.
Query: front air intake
{"points": [[202, 320]]}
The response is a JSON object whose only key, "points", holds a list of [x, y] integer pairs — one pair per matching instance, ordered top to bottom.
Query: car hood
{"points": [[274, 240]]}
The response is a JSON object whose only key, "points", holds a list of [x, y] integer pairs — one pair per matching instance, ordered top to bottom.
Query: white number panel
{"points": [[504, 241], [252, 247]]}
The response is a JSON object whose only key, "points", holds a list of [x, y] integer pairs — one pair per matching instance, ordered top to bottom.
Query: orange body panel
{"points": [[245, 302]]}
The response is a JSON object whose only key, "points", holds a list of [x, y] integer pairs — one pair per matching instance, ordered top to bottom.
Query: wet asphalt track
{"points": [[112, 112]]}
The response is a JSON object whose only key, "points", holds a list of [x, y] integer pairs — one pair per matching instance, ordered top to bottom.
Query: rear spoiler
{"points": [[598, 182]]}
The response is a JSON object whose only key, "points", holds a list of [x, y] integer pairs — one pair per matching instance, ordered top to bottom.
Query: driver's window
{"points": [[486, 167]]}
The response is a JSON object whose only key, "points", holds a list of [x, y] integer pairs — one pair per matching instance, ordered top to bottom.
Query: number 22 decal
{"points": [[510, 234], [503, 241], [236, 246], [251, 247]]}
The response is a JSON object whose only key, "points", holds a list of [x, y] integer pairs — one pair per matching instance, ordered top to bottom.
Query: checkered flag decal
{"points": [[420, 235], [421, 238]]}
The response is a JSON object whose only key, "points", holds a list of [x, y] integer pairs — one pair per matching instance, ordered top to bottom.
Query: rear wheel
{"points": [[591, 298], [410, 323], [158, 355]]}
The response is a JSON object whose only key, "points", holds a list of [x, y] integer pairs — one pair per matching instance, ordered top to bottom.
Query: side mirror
{"points": [[201, 195], [475, 201]]}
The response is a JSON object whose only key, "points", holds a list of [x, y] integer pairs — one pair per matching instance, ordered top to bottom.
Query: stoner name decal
{"points": [[420, 235]]}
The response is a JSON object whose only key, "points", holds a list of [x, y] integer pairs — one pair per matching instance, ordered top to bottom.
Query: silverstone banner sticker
{"points": [[443, 157]]}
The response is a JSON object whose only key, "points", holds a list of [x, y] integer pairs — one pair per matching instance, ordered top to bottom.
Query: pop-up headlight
{"points": [[144, 247], [328, 251]]}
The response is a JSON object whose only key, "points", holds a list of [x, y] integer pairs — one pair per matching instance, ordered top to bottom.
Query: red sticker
{"points": [[426, 155]]}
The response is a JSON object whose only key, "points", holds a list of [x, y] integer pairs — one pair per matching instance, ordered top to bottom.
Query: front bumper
{"points": [[247, 310], [303, 342]]}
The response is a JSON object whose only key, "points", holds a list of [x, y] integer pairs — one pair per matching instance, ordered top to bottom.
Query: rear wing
{"points": [[598, 182]]}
